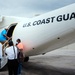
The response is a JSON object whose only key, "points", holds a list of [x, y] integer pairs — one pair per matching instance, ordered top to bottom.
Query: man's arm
{"points": [[6, 36]]}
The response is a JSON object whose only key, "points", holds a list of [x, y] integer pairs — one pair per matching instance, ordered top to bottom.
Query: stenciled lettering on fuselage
{"points": [[59, 18]]}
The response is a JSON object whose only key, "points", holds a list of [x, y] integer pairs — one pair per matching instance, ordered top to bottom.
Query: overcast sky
{"points": [[29, 8]]}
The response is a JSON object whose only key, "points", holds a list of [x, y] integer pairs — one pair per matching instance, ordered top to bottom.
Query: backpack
{"points": [[20, 57]]}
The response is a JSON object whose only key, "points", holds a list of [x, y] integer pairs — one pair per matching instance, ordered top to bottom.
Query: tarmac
{"points": [[59, 62]]}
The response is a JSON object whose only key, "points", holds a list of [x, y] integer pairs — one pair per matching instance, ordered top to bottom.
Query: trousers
{"points": [[12, 67], [19, 68]]}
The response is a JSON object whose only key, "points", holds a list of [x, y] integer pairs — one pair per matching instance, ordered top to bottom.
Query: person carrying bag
{"points": [[20, 55]]}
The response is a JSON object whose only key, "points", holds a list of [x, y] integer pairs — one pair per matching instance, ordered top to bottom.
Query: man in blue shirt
{"points": [[3, 36]]}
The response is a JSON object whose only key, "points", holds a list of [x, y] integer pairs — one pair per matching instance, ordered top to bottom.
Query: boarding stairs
{"points": [[3, 61]]}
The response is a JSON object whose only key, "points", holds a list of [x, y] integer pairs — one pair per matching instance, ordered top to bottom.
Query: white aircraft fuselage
{"points": [[43, 33]]}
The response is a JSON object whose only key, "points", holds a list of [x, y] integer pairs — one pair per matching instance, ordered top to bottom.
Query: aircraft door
{"points": [[11, 29]]}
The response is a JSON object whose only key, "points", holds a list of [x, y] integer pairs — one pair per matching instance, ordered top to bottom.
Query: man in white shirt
{"points": [[11, 53]]}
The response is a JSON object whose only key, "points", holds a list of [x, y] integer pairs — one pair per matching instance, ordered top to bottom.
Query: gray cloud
{"points": [[28, 8]]}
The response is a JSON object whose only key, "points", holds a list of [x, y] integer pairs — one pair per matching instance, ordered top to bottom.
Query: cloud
{"points": [[28, 8]]}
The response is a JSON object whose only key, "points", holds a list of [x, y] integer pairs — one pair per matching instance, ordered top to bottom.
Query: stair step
{"points": [[3, 62]]}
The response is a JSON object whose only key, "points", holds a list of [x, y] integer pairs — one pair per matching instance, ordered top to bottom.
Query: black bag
{"points": [[20, 57]]}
